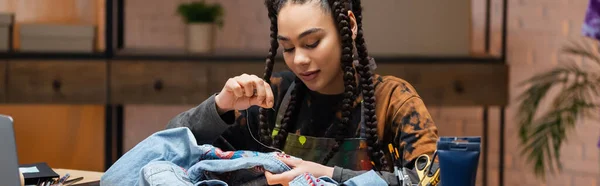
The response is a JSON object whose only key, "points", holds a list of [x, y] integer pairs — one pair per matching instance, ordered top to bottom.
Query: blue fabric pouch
{"points": [[458, 158]]}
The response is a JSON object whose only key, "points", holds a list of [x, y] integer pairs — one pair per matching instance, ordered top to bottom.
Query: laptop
{"points": [[9, 164]]}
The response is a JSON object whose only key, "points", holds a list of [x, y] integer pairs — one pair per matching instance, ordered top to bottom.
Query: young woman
{"points": [[330, 109]]}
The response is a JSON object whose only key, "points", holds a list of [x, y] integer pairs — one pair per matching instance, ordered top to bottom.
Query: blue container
{"points": [[458, 158]]}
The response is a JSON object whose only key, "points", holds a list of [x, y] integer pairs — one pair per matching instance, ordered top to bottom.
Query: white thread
{"points": [[252, 135]]}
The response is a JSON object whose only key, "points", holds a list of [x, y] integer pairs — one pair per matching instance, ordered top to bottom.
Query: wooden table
{"points": [[88, 176]]}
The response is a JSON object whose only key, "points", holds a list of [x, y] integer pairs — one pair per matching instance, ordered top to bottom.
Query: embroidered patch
{"points": [[302, 140], [223, 155]]}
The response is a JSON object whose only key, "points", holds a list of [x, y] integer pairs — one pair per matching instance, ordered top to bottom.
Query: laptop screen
{"points": [[9, 166]]}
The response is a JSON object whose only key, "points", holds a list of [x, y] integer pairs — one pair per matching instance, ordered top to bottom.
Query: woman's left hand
{"points": [[298, 167]]}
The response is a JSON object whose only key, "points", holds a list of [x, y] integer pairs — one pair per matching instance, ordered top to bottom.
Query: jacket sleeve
{"points": [[204, 121], [415, 131], [414, 134]]}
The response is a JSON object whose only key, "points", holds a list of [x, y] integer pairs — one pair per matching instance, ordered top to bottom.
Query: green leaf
{"points": [[200, 12], [583, 50], [542, 138]]}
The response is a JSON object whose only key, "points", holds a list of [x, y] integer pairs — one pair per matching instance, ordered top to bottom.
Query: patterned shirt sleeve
{"points": [[404, 121], [416, 132]]}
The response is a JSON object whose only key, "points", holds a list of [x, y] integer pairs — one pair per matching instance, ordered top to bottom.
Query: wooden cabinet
{"points": [[56, 81], [126, 82], [158, 82], [187, 82], [454, 84], [64, 136]]}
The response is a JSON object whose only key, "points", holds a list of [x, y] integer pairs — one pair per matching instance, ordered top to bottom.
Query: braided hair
{"points": [[338, 9], [270, 62], [368, 89]]}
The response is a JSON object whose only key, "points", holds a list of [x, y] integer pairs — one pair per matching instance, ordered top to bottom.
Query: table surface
{"points": [[88, 176]]}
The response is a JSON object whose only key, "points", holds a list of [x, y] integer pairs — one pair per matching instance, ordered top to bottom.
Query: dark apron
{"points": [[353, 153]]}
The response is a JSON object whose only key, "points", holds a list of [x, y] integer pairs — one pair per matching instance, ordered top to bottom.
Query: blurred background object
{"points": [[201, 20], [6, 22], [467, 59], [555, 102]]}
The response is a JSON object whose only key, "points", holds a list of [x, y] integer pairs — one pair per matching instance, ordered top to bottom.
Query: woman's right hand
{"points": [[243, 91]]}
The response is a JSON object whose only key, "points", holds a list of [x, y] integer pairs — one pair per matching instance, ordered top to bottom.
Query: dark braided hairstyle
{"points": [[339, 9], [340, 13], [270, 62], [368, 89]]}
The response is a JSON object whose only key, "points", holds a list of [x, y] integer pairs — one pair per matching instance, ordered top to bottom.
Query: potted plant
{"points": [[201, 20], [571, 91]]}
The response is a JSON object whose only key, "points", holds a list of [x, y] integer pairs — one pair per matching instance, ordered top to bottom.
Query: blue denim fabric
{"points": [[177, 146], [172, 157], [237, 171], [162, 173], [166, 173], [367, 178]]}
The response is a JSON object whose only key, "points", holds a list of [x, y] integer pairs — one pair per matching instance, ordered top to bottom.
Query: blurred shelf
{"points": [[53, 55], [220, 55], [238, 55], [252, 56], [438, 59]]}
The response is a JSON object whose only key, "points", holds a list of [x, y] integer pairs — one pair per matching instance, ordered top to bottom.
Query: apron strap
{"points": [[281, 112], [363, 126]]}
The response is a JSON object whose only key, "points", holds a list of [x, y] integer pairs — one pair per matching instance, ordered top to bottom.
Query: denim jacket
{"points": [[172, 157]]}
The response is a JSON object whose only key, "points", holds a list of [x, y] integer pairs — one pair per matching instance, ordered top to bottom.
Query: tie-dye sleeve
{"points": [[403, 120], [415, 131]]}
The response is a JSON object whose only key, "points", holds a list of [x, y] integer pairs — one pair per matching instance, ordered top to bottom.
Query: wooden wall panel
{"points": [[7, 5], [101, 22], [156, 24], [442, 27], [422, 28], [2, 81], [57, 81], [151, 82], [454, 84], [64, 136]]}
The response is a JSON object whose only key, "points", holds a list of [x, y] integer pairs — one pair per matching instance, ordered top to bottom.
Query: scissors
{"points": [[429, 173]]}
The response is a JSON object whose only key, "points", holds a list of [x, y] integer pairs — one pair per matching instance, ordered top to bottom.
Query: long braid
{"points": [[343, 24], [270, 61], [368, 91], [288, 119]]}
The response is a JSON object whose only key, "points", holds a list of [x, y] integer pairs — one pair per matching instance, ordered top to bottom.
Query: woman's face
{"points": [[312, 47]]}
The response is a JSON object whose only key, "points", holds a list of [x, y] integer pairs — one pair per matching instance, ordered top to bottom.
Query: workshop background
{"points": [[80, 110]]}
